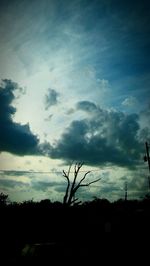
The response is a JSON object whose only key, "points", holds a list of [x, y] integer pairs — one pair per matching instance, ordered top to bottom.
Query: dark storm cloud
{"points": [[51, 98], [86, 106], [145, 124], [14, 137], [105, 137], [9, 183], [44, 186], [138, 186], [108, 189]]}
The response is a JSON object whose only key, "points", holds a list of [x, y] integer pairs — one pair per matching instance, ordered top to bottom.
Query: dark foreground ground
{"points": [[92, 234]]}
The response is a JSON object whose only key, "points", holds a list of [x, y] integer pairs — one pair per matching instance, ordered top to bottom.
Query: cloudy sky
{"points": [[75, 79]]}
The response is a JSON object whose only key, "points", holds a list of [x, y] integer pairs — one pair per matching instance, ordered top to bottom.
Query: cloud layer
{"points": [[51, 98], [14, 137], [99, 137], [103, 137]]}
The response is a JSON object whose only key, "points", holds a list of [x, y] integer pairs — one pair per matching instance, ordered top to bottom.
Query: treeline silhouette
{"points": [[86, 228]]}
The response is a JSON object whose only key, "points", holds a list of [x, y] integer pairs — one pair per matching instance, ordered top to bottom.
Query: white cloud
{"points": [[130, 102]]}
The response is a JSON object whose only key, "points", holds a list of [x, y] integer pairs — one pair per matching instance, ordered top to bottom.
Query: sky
{"points": [[74, 87]]}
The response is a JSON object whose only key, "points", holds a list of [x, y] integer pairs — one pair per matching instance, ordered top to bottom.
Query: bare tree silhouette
{"points": [[72, 187]]}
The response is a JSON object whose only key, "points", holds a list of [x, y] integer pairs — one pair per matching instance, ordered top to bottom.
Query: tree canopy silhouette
{"points": [[3, 198]]}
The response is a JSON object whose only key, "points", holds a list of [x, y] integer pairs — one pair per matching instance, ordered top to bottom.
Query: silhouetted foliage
{"points": [[3, 199], [45, 202], [48, 229]]}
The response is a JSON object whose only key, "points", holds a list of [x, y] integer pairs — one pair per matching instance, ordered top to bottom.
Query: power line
{"points": [[42, 172]]}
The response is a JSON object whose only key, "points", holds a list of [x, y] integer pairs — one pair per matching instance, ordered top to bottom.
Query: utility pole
{"points": [[147, 159], [126, 191]]}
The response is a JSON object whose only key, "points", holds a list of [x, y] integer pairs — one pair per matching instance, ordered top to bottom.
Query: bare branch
{"points": [[80, 165], [69, 169], [76, 171], [64, 174], [83, 177], [88, 184], [68, 185], [85, 185], [71, 189], [74, 200], [78, 202]]}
